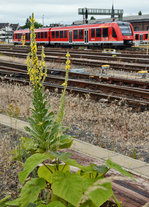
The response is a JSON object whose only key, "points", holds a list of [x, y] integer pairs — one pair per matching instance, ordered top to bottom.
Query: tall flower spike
{"points": [[67, 67], [37, 73], [60, 114]]}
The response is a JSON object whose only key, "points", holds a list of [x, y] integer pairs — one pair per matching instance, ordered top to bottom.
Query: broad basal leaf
{"points": [[64, 157], [31, 163], [117, 167], [101, 170], [44, 171], [67, 186], [29, 192], [102, 194], [88, 203], [55, 204]]}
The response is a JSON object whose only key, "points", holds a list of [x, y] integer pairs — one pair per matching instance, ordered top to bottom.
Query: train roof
{"points": [[101, 24], [104, 24], [46, 29]]}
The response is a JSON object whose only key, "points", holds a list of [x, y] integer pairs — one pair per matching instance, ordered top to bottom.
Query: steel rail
{"points": [[125, 66], [85, 88]]}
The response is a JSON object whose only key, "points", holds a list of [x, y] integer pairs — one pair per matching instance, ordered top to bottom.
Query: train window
{"points": [[125, 29], [92, 32], [98, 32], [105, 32], [113, 32], [45, 34], [53, 34], [57, 34], [61, 34], [65, 34], [75, 34], [81, 34], [38, 35], [41, 35], [26, 36], [29, 36], [146, 36], [136, 37]]}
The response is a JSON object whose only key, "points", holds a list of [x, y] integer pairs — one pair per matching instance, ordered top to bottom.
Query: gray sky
{"points": [[64, 11]]}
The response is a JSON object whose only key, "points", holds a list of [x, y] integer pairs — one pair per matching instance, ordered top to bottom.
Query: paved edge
{"points": [[132, 165]]}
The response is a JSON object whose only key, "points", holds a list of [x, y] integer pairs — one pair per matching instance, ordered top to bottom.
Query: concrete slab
{"points": [[13, 123], [92, 150], [127, 162], [143, 171]]}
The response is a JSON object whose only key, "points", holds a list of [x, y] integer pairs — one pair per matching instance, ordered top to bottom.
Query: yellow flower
{"points": [[68, 55], [37, 72], [64, 84], [40, 124]]}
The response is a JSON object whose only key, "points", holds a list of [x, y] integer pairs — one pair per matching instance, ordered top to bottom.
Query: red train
{"points": [[103, 34], [141, 37]]}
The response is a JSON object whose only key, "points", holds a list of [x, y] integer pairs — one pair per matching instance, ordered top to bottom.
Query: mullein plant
{"points": [[46, 128], [54, 184]]}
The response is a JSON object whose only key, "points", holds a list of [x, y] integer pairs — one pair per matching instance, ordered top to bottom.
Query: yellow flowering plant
{"points": [[46, 128], [54, 184]]}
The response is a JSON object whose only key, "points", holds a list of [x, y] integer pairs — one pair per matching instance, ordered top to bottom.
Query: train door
{"points": [[70, 36], [86, 36], [141, 38]]}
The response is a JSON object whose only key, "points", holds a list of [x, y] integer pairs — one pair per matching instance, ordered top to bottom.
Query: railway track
{"points": [[119, 53], [87, 58], [100, 78], [132, 95]]}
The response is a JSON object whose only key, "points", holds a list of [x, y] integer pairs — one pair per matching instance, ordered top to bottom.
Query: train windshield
{"points": [[125, 29]]}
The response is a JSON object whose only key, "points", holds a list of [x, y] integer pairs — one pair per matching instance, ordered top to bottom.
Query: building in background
{"points": [[139, 22], [6, 32]]}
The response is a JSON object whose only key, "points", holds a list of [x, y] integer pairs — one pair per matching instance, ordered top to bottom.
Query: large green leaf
{"points": [[65, 143], [64, 156], [31, 163], [117, 167], [101, 169], [45, 171], [93, 171], [68, 186], [29, 192], [102, 194], [88, 203], [55, 204]]}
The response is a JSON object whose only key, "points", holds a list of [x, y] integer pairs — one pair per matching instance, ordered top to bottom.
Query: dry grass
{"points": [[112, 126], [9, 182]]}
